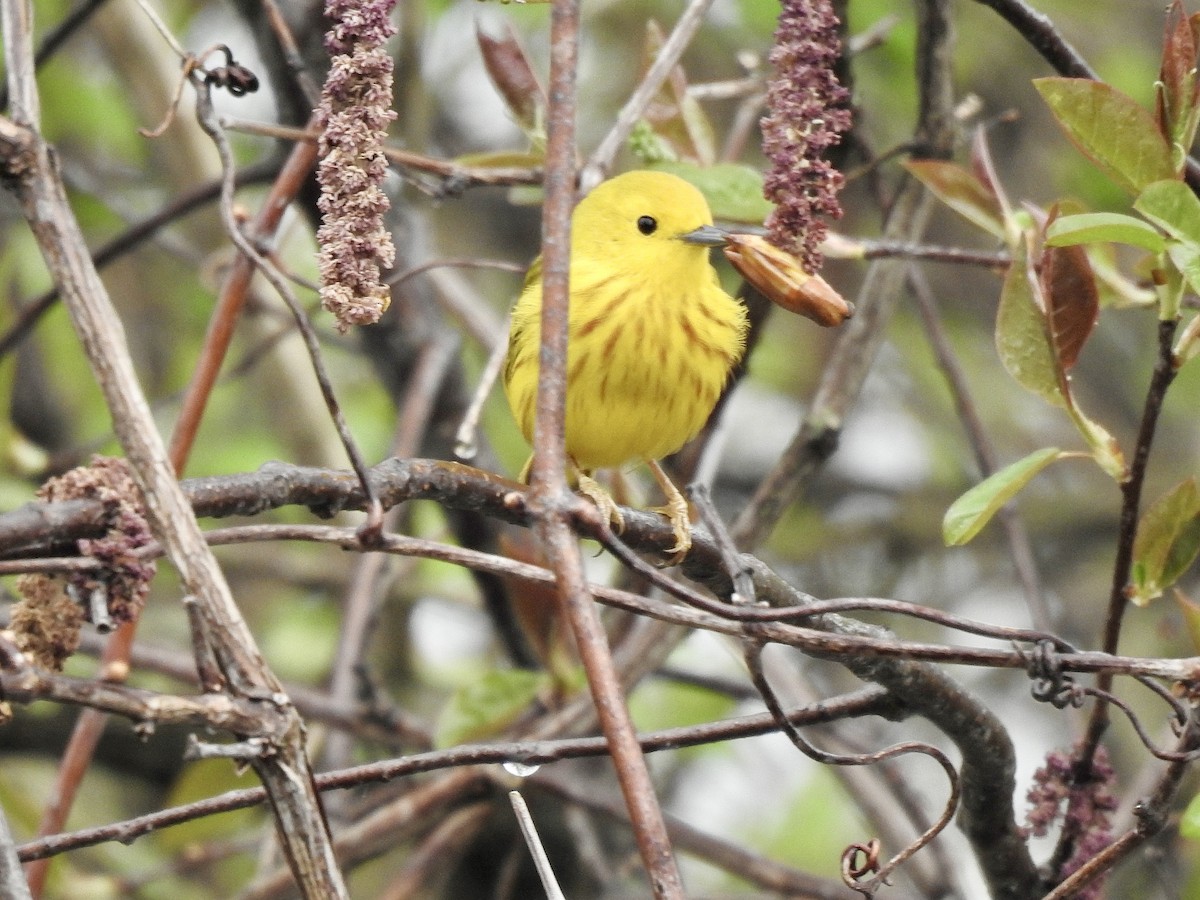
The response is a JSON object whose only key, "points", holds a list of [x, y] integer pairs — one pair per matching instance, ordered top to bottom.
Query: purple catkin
{"points": [[807, 115], [353, 116], [1086, 807]]}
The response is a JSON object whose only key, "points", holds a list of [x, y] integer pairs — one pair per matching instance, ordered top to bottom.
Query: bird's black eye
{"points": [[647, 224]]}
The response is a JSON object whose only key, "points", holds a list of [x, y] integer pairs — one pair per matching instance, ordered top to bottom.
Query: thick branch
{"points": [[301, 828]]}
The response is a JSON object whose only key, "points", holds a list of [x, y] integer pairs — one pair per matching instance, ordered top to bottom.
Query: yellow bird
{"points": [[652, 335]]}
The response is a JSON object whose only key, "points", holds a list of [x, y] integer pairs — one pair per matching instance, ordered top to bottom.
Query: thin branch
{"points": [[1040, 33], [59, 35], [206, 116], [601, 160], [455, 177], [232, 299], [841, 382], [1131, 498], [551, 502], [367, 584], [831, 636], [21, 682], [868, 701], [301, 830], [536, 848], [879, 874], [778, 878], [12, 881]]}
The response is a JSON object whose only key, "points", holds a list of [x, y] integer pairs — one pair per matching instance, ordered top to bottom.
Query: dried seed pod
{"points": [[781, 278]]}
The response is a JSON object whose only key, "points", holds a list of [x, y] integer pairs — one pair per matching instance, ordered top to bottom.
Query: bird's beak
{"points": [[706, 236]]}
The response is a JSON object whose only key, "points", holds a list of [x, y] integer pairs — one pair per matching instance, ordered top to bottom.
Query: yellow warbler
{"points": [[652, 335]]}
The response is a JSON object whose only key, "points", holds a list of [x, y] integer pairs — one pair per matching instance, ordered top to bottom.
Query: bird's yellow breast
{"points": [[652, 337], [650, 348]]}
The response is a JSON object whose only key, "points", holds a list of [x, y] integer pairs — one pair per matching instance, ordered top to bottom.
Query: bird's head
{"points": [[653, 221]]}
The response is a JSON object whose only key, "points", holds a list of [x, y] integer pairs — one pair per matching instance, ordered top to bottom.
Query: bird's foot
{"points": [[594, 491], [676, 512]]}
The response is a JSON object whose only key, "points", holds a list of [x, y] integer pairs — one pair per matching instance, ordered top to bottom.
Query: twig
{"points": [[1040, 33], [57, 36], [291, 53], [206, 116], [598, 164], [455, 177], [130, 239], [399, 277], [232, 299], [861, 337], [466, 445], [1131, 497], [551, 502], [739, 574], [363, 593], [832, 636], [867, 701], [534, 842], [436, 853], [778, 878], [12, 880], [868, 887]]}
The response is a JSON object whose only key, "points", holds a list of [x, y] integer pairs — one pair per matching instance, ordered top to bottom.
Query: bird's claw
{"points": [[595, 492], [676, 512]]}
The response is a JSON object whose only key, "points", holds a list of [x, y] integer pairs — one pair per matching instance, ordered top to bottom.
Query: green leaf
{"points": [[1111, 129], [502, 159], [962, 191], [734, 192], [1173, 207], [1087, 228], [1186, 258], [1022, 338], [1187, 347], [1105, 449], [969, 513], [1167, 542], [1190, 610], [487, 705], [1189, 822]]}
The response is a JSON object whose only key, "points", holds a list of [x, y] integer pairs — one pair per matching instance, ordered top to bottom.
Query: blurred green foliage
{"points": [[870, 524]]}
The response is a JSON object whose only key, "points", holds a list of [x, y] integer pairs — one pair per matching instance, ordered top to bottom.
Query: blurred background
{"points": [[869, 524]]}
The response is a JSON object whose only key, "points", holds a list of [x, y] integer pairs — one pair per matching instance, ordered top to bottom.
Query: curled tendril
{"points": [[233, 76], [1050, 683], [860, 860], [879, 873]]}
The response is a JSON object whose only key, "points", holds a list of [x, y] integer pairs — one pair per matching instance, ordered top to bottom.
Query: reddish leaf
{"points": [[510, 71], [1178, 85], [675, 115], [983, 169], [962, 191], [1072, 300]]}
